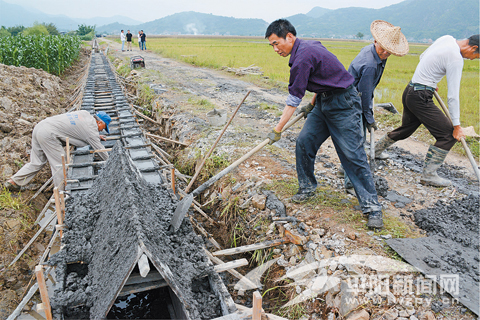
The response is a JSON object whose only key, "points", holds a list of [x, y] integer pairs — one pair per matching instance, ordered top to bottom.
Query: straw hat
{"points": [[389, 37]]}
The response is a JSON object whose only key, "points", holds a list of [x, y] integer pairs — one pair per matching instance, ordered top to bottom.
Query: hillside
{"points": [[13, 15], [421, 20], [195, 23]]}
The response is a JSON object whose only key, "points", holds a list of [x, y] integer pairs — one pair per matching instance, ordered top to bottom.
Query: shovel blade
{"points": [[181, 211]]}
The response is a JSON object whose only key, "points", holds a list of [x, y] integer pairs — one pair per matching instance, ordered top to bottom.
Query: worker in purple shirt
{"points": [[367, 70], [335, 111]]}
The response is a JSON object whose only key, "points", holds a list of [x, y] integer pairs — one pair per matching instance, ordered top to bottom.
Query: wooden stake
{"points": [[67, 142], [172, 170], [64, 172], [62, 205], [58, 208], [42, 286], [257, 306]]}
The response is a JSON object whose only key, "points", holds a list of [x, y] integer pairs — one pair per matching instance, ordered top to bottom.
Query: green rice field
{"points": [[235, 52]]}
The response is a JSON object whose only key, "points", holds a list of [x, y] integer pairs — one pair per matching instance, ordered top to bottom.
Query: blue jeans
{"points": [[123, 43], [144, 45], [339, 116], [348, 184]]}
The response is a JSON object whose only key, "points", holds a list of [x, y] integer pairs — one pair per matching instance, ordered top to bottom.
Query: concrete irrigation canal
{"points": [[113, 253], [118, 258]]}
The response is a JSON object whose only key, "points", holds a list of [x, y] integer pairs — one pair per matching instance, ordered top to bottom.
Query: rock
{"points": [[7, 104], [23, 122], [6, 128], [258, 201], [12, 223], [351, 235], [293, 250], [348, 301], [8, 302], [410, 310], [403, 313], [390, 314], [359, 315], [427, 316], [412, 317], [401, 318]]}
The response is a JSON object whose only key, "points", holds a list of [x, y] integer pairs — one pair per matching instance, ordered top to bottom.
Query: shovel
{"points": [[464, 143], [184, 205]]}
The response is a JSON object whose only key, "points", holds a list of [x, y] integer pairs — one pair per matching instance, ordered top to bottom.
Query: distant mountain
{"points": [[317, 12], [13, 15], [420, 20], [195, 23]]}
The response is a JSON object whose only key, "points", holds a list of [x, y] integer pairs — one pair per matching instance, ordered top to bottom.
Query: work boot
{"points": [[381, 145], [433, 161], [11, 185], [303, 196], [375, 220]]}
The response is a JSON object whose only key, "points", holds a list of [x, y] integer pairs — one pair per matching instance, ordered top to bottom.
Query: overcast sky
{"points": [[148, 10]]}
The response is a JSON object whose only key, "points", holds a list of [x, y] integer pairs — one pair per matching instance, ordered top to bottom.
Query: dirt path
{"points": [[184, 90]]}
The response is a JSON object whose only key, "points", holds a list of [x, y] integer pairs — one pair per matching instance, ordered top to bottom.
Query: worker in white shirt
{"points": [[122, 38], [444, 57], [48, 138]]}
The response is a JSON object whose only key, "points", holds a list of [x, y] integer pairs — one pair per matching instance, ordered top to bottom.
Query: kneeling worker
{"points": [[444, 57], [335, 112], [48, 138]]}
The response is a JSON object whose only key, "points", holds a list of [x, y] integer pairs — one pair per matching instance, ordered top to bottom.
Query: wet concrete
{"points": [[463, 183], [109, 226], [451, 248]]}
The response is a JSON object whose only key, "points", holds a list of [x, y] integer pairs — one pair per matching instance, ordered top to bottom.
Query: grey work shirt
{"points": [[367, 69], [79, 126]]}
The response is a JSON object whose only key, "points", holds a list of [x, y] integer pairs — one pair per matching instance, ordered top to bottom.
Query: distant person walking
{"points": [[122, 38], [129, 40], [139, 40], [144, 40], [444, 57]]}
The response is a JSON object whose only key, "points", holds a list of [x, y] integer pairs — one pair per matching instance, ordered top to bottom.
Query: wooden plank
{"points": [[166, 139], [67, 142], [64, 172], [172, 173], [58, 208], [250, 247], [230, 265], [233, 272], [136, 278], [42, 286], [141, 287], [257, 306]]}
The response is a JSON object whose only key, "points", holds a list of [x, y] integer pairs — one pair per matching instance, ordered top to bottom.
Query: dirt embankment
{"points": [[27, 96]]}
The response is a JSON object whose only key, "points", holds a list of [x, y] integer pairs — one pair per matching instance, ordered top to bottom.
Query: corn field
{"points": [[53, 54]]}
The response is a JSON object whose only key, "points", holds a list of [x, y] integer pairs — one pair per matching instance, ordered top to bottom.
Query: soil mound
{"points": [[27, 96]]}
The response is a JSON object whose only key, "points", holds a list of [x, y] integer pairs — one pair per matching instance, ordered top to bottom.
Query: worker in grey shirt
{"points": [[367, 70], [48, 138]]}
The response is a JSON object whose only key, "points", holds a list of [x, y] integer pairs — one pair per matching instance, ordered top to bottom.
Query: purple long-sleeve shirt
{"points": [[314, 68]]}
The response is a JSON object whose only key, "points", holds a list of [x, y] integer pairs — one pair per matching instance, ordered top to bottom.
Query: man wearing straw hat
{"points": [[444, 57], [367, 69], [334, 112], [49, 135]]}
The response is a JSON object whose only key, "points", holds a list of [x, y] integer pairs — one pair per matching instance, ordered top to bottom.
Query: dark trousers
{"points": [[418, 108], [339, 116]]}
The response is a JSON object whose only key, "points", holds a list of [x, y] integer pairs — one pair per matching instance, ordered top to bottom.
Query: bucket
{"points": [[217, 117]]}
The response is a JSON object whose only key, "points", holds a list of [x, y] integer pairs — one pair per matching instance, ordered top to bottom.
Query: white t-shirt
{"points": [[122, 36], [442, 58]]}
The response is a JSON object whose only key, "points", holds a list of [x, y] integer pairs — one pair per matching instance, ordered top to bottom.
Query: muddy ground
{"points": [[182, 95]]}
